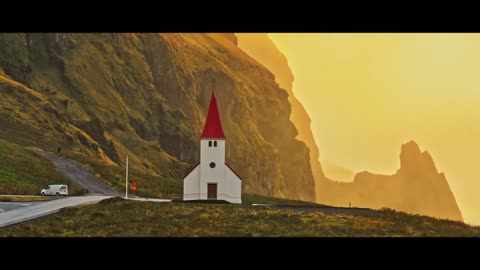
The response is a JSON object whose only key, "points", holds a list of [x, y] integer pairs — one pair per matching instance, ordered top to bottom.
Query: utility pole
{"points": [[126, 180]]}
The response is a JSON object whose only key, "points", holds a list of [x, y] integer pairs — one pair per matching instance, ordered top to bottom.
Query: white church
{"points": [[212, 178]]}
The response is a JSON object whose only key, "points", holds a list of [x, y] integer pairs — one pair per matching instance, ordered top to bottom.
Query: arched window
{"points": [[209, 143], [215, 143]]}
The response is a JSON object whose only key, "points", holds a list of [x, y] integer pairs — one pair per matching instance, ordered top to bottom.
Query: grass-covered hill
{"points": [[120, 217]]}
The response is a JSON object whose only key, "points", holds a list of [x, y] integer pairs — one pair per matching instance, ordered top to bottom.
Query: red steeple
{"points": [[213, 125]]}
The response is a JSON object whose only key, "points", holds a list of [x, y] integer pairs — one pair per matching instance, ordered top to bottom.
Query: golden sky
{"points": [[368, 93]]}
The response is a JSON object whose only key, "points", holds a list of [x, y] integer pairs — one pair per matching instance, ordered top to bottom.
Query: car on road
{"points": [[55, 190]]}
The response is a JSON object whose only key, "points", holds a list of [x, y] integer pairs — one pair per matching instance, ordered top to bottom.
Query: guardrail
{"points": [[180, 197]]}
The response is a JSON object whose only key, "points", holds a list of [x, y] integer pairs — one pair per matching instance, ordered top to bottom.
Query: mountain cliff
{"points": [[262, 48], [101, 97], [417, 187]]}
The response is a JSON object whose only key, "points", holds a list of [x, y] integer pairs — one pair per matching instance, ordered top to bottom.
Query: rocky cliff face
{"points": [[262, 48], [105, 96], [417, 187]]}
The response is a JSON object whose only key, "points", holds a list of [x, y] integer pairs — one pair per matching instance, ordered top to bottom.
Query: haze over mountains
{"points": [[103, 96], [417, 187]]}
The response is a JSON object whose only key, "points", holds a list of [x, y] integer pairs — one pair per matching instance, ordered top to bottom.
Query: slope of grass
{"points": [[24, 172], [114, 176], [248, 199], [118, 217]]}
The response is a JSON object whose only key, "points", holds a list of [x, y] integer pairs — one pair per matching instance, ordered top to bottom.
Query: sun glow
{"points": [[368, 93]]}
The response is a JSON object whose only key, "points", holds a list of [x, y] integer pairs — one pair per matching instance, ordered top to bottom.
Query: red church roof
{"points": [[213, 125]]}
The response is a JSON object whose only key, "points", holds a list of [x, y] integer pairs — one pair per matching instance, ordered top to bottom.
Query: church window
{"points": [[209, 143], [215, 143], [212, 165]]}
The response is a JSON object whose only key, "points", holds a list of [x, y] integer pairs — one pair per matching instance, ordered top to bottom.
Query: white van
{"points": [[56, 190]]}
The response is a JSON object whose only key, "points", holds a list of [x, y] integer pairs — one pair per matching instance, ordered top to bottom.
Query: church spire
{"points": [[213, 125]]}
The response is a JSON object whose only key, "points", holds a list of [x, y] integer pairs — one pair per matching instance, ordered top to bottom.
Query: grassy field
{"points": [[24, 172], [248, 199], [119, 217]]}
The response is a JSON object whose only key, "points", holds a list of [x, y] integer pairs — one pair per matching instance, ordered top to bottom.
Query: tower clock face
{"points": [[212, 165]]}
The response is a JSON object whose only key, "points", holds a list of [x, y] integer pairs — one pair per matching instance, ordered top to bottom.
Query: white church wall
{"points": [[209, 155], [207, 173], [191, 185], [229, 186], [232, 187]]}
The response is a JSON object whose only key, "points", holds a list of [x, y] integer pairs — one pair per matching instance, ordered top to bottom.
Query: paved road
{"points": [[78, 174], [9, 206], [26, 211]]}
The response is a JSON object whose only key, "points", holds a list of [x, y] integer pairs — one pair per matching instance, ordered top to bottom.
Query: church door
{"points": [[212, 192]]}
